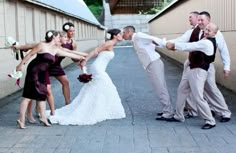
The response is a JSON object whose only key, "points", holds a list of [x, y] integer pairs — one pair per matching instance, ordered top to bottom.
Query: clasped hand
{"points": [[170, 46], [82, 63], [18, 68]]}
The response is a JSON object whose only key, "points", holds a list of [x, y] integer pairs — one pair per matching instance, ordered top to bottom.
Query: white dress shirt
{"points": [[183, 38], [220, 42], [203, 45], [144, 47], [223, 49]]}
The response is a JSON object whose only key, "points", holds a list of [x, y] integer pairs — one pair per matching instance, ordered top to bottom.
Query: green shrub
{"points": [[96, 10]]}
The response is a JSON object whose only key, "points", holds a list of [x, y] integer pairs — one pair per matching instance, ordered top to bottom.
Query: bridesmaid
{"points": [[57, 70], [35, 87]]}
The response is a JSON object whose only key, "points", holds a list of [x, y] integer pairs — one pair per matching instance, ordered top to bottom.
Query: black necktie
{"points": [[202, 36]]}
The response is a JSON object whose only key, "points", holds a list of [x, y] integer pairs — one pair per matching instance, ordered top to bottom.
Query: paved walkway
{"points": [[139, 132]]}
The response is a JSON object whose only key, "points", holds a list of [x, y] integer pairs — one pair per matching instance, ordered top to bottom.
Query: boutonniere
{"points": [[84, 77]]}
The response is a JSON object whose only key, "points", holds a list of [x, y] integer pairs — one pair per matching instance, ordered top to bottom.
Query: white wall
{"points": [[28, 23]]}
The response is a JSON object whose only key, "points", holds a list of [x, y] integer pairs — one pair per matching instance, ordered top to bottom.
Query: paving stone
{"points": [[139, 132]]}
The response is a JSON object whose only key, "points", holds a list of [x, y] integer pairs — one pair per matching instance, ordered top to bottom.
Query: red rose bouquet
{"points": [[84, 77]]}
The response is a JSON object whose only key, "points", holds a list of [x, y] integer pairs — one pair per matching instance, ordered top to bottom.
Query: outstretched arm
{"points": [[183, 38], [157, 41], [203, 45], [74, 46], [25, 47], [104, 47], [34, 51], [75, 52], [67, 53]]}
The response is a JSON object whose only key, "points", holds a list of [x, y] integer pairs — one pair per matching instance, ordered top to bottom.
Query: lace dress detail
{"points": [[97, 101]]}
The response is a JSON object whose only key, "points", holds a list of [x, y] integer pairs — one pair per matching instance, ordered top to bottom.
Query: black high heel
{"points": [[44, 123], [20, 124]]}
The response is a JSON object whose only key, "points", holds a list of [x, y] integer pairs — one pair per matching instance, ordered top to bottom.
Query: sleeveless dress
{"points": [[56, 69], [35, 81], [97, 101]]}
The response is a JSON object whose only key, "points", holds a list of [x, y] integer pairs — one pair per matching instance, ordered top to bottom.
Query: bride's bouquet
{"points": [[84, 77]]}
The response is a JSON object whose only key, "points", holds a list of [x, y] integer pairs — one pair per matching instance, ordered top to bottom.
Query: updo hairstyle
{"points": [[66, 26], [50, 34]]}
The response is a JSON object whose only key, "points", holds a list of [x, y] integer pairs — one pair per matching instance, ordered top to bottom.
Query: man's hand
{"points": [[170, 46], [226, 73]]}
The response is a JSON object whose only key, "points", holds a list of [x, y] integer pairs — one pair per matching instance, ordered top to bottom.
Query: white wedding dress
{"points": [[97, 101]]}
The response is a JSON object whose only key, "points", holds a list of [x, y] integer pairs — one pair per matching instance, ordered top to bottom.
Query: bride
{"points": [[98, 100]]}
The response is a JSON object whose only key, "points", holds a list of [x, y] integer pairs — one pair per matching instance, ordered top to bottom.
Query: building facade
{"points": [[28, 20]]}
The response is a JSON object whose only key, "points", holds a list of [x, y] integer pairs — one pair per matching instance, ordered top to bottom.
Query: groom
{"points": [[144, 46]]}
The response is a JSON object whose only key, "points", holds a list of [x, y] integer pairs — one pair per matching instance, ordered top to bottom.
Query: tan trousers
{"points": [[156, 74], [193, 80], [213, 96]]}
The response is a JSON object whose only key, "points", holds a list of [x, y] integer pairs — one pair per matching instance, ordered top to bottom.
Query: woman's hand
{"points": [[15, 47], [82, 58], [83, 63], [18, 68]]}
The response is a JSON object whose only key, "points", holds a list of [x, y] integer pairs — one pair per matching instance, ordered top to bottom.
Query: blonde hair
{"points": [[62, 33]]}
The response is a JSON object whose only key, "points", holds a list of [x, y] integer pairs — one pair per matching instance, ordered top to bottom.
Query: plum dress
{"points": [[56, 69], [36, 77], [97, 101]]}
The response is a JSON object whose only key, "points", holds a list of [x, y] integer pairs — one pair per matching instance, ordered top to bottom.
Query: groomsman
{"points": [[144, 46], [193, 80], [212, 94], [190, 107]]}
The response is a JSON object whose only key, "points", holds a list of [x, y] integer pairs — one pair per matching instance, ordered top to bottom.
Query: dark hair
{"points": [[195, 12], [207, 14], [67, 24], [130, 28], [113, 32], [49, 35]]}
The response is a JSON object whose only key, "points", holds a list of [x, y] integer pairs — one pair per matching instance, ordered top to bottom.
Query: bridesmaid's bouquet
{"points": [[10, 42], [16, 75], [84, 77]]}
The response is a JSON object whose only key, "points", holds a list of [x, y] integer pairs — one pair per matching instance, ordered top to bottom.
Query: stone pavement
{"points": [[139, 132]]}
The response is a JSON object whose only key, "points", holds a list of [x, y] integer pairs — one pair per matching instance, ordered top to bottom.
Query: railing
{"points": [[135, 6]]}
